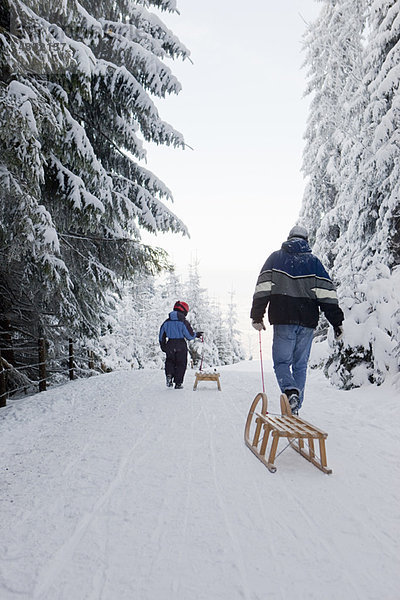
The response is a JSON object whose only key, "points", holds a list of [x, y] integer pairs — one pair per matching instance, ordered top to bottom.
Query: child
{"points": [[172, 341]]}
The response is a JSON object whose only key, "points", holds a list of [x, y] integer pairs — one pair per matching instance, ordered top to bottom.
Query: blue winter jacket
{"points": [[295, 285], [174, 328]]}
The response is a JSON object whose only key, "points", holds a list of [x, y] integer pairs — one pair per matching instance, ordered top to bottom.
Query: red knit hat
{"points": [[182, 306]]}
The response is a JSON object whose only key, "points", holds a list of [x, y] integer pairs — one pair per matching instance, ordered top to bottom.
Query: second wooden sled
{"points": [[207, 377], [299, 433]]}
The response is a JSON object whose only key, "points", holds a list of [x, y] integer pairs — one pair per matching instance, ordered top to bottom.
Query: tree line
{"points": [[130, 335]]}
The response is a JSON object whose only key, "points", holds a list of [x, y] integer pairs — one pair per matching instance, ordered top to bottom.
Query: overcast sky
{"points": [[242, 111]]}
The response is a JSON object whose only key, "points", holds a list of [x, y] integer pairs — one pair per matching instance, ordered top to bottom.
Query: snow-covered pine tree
{"points": [[333, 47], [76, 86], [376, 225], [365, 255], [368, 256], [201, 317], [130, 338], [221, 338], [222, 344], [235, 345]]}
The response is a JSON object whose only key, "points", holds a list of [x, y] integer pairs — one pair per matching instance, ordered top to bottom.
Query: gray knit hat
{"points": [[298, 231]]}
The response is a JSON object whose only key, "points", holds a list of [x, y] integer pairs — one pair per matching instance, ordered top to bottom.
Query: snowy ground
{"points": [[117, 488]]}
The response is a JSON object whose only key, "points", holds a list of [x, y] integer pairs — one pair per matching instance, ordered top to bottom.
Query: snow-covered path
{"points": [[117, 488]]}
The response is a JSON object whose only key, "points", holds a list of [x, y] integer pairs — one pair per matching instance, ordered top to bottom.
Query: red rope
{"points": [[202, 354], [261, 363]]}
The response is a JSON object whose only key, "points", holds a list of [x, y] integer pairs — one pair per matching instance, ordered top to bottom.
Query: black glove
{"points": [[258, 325], [338, 331], [199, 334], [163, 347]]}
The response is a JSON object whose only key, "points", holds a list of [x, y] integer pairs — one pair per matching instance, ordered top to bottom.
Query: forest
{"points": [[80, 84], [77, 106]]}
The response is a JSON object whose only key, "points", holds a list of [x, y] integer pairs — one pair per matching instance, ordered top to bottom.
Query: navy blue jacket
{"points": [[295, 285], [175, 328]]}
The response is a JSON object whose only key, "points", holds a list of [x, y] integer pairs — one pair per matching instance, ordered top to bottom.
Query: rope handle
{"points": [[202, 354], [261, 363]]}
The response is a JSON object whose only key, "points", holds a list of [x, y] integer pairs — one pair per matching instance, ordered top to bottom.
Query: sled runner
{"points": [[207, 377], [298, 433]]}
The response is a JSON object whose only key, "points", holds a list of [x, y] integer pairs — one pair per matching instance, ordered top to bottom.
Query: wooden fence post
{"points": [[8, 352], [71, 359], [42, 365], [3, 387]]}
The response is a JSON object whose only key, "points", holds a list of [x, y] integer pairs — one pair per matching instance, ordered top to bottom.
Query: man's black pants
{"points": [[176, 361]]}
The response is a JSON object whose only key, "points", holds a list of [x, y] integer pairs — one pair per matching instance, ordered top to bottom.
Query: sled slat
{"points": [[306, 424], [292, 426]]}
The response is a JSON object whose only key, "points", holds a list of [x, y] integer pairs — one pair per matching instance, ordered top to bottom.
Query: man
{"points": [[295, 285], [173, 333]]}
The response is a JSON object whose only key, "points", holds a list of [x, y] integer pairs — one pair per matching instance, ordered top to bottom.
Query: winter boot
{"points": [[170, 382], [178, 386], [294, 400]]}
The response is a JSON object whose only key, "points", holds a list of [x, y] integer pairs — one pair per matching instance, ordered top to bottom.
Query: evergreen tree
{"points": [[334, 59], [76, 87], [377, 225], [364, 257], [368, 258], [201, 317], [130, 339], [233, 340]]}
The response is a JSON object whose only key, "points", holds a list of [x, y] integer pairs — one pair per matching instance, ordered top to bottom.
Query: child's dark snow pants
{"points": [[176, 361]]}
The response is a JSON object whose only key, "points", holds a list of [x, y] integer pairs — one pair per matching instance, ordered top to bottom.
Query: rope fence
{"points": [[43, 365]]}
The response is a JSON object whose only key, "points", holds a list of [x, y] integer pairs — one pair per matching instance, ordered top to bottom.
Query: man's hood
{"points": [[296, 246]]}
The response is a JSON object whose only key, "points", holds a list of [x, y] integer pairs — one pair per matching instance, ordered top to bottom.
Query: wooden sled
{"points": [[207, 377], [293, 428]]}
